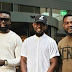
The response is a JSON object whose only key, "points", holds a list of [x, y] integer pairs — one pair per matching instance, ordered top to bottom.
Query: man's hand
{"points": [[2, 62], [54, 64]]}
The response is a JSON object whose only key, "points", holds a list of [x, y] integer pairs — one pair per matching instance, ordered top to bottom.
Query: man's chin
{"points": [[3, 29], [39, 34], [69, 34]]}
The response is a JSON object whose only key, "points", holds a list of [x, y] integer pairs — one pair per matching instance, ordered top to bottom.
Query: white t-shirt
{"points": [[10, 48], [39, 51]]}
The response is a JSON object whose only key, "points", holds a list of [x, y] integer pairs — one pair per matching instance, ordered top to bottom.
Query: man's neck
{"points": [[5, 31], [39, 35], [69, 36]]}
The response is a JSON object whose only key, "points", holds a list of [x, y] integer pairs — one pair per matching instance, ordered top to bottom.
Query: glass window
{"points": [[0, 5], [7, 6], [23, 8], [37, 10], [55, 13]]}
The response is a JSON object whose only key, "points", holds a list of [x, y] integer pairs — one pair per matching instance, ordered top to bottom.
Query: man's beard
{"points": [[5, 29], [68, 33], [39, 34]]}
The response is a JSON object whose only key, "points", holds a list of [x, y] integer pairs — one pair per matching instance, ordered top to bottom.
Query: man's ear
{"points": [[10, 22], [33, 24], [63, 25], [46, 26]]}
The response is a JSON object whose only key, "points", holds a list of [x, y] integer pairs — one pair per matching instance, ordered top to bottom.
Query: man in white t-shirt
{"points": [[10, 44], [39, 52]]}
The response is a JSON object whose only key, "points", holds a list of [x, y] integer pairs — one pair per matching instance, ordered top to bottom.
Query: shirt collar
{"points": [[40, 36]]}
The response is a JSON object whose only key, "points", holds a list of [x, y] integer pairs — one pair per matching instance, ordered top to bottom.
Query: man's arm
{"points": [[16, 61], [54, 63], [23, 64]]}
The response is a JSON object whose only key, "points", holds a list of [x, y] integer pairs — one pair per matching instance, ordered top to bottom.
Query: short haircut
{"points": [[4, 11], [66, 16]]}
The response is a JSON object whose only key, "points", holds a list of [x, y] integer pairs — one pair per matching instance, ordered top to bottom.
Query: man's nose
{"points": [[2, 21], [70, 24], [2, 25], [39, 25]]}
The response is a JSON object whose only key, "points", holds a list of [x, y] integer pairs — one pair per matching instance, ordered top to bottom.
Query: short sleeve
{"points": [[24, 49], [53, 50]]}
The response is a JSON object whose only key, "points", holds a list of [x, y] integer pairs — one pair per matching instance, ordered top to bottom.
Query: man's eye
{"points": [[71, 22], [66, 23]]}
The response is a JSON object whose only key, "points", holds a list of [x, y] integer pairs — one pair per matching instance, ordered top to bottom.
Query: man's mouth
{"points": [[38, 29], [70, 30]]}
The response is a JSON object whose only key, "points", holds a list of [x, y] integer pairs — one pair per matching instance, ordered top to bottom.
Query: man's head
{"points": [[5, 21], [67, 24], [40, 25]]}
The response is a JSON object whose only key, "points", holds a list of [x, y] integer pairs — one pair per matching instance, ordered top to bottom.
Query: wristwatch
{"points": [[6, 62]]}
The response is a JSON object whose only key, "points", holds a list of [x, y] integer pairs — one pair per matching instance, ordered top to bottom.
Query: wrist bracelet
{"points": [[6, 62]]}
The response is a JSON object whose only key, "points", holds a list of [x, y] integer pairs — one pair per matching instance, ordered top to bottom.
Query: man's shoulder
{"points": [[13, 34], [29, 38], [49, 39], [62, 41]]}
